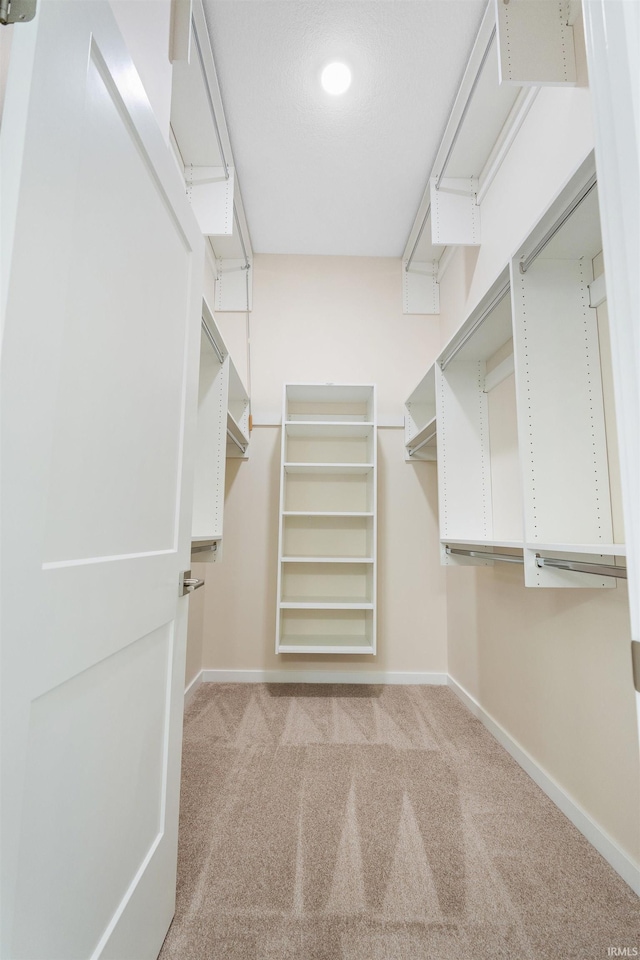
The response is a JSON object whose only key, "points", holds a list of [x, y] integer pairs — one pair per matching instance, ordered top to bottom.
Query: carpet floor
{"points": [[337, 822]]}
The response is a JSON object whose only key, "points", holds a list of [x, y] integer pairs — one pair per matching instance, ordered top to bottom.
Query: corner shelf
{"points": [[327, 526]]}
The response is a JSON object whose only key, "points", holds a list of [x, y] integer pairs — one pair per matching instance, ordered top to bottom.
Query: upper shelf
{"points": [[199, 129], [329, 404], [347, 429]]}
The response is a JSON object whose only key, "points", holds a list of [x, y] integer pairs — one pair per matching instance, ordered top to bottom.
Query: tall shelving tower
{"points": [[327, 528]]}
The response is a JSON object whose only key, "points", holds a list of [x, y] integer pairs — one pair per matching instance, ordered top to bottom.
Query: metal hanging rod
{"points": [[210, 99], [467, 104], [420, 232], [526, 262], [247, 265], [499, 297], [207, 332], [422, 443], [240, 446], [205, 547], [477, 554], [576, 566], [599, 569]]}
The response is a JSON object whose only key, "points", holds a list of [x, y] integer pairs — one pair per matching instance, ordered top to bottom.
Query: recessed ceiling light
{"points": [[336, 78]]}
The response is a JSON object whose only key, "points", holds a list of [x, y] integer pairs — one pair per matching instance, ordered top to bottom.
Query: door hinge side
{"points": [[17, 11]]}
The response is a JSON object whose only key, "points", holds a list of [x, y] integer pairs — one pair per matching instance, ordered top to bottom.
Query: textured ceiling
{"points": [[337, 175]]}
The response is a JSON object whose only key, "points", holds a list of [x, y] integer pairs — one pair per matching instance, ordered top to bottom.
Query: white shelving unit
{"points": [[223, 412], [527, 451], [327, 532]]}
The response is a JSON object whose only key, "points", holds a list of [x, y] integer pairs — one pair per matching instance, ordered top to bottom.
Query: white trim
{"points": [[313, 675], [191, 688], [621, 863]]}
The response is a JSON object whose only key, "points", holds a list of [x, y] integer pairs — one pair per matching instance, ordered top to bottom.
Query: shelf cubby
{"points": [[340, 404], [327, 489], [327, 537], [324, 630]]}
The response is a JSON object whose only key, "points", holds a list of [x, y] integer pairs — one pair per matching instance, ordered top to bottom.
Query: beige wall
{"points": [[335, 319], [338, 319], [552, 667]]}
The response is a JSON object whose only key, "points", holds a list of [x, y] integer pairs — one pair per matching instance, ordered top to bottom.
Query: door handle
{"points": [[187, 583]]}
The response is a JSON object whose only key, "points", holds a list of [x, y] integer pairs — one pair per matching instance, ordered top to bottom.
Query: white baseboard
{"points": [[313, 675], [190, 691], [628, 870]]}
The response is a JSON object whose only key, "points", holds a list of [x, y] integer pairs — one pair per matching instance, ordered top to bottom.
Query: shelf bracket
{"points": [[535, 43], [210, 193], [455, 214], [234, 286], [420, 287]]}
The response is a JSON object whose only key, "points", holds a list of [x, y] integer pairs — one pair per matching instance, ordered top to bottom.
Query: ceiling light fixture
{"points": [[336, 78]]}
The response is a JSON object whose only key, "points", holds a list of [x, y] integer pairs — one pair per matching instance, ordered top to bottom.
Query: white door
{"points": [[101, 269]]}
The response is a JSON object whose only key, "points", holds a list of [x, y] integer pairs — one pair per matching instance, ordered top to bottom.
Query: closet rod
{"points": [[210, 98], [467, 104], [420, 232], [526, 262], [247, 265], [499, 297], [210, 338], [240, 446], [413, 450], [205, 547], [503, 557], [599, 569]]}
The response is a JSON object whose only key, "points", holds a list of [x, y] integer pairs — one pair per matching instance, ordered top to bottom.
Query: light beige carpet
{"points": [[376, 823]]}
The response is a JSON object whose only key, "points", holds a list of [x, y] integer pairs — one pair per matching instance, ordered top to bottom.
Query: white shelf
{"points": [[234, 428], [328, 428], [420, 435], [423, 442], [339, 468], [325, 513], [327, 525], [476, 542], [596, 549], [327, 559], [324, 605], [330, 644]]}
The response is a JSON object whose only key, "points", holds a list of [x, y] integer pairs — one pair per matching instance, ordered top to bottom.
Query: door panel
{"points": [[99, 390]]}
